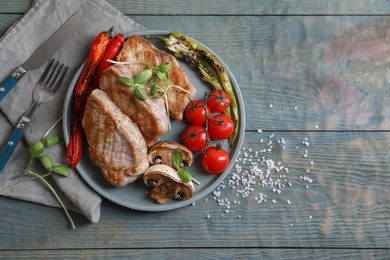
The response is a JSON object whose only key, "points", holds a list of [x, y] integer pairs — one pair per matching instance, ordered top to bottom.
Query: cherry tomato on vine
{"points": [[218, 101], [195, 112], [220, 127], [194, 138], [214, 160]]}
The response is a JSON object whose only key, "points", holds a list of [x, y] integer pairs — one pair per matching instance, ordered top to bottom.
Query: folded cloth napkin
{"points": [[19, 42]]}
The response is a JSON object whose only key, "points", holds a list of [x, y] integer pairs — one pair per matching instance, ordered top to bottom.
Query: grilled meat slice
{"points": [[137, 48], [150, 115], [115, 143]]}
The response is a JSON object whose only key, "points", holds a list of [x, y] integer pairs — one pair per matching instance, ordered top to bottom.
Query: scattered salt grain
{"points": [[270, 105], [295, 108], [316, 127], [259, 130], [311, 162], [288, 202], [208, 216], [310, 217]]}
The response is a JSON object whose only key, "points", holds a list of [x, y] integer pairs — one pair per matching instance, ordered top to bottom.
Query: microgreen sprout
{"points": [[148, 80], [35, 151]]}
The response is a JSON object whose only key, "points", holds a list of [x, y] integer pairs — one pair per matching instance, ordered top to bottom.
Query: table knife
{"points": [[45, 51]]}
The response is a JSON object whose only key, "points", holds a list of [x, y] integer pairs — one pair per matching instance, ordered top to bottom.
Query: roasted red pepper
{"points": [[112, 50], [96, 54]]}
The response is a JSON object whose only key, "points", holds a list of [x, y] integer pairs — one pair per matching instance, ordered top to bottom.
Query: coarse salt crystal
{"points": [[270, 105], [259, 130]]}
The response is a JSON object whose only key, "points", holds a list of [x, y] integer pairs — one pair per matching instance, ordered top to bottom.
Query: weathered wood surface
{"points": [[233, 7], [319, 63], [345, 206], [228, 254]]}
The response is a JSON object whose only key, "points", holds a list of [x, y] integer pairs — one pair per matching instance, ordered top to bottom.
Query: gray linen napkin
{"points": [[20, 41]]}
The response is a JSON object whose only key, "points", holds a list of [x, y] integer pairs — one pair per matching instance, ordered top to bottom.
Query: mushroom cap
{"points": [[162, 153], [166, 184]]}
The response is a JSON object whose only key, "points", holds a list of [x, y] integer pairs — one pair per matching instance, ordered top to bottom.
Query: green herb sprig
{"points": [[147, 82], [35, 152], [182, 172]]}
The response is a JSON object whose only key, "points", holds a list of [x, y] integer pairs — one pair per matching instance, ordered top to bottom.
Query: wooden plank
{"points": [[221, 7], [325, 72], [318, 73], [346, 205], [234, 253]]}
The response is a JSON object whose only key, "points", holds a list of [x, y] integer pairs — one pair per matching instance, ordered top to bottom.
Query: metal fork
{"points": [[43, 92]]}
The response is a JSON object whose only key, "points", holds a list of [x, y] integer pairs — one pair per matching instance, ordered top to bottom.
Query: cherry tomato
{"points": [[218, 101], [195, 112], [221, 127], [194, 138], [214, 160]]}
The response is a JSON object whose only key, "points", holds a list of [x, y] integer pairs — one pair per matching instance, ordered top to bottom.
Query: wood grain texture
{"points": [[232, 7], [324, 67], [315, 77], [345, 206], [228, 254]]}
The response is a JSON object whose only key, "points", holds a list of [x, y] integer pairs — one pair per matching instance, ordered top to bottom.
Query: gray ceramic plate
{"points": [[134, 195]]}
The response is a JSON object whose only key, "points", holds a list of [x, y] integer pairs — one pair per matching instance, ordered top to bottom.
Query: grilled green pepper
{"points": [[205, 63]]}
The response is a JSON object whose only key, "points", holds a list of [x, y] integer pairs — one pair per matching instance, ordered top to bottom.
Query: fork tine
{"points": [[52, 71], [46, 72], [54, 75], [60, 78]]}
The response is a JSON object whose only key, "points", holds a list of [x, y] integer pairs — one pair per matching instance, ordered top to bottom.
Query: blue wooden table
{"points": [[315, 77]]}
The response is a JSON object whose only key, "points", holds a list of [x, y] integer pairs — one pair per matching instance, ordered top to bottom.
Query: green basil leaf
{"points": [[164, 67], [144, 76], [163, 76], [127, 81], [153, 89], [140, 95], [51, 140], [36, 149], [178, 157], [47, 161], [61, 169], [184, 175]]}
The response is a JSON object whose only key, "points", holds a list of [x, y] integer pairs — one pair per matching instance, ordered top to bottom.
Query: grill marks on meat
{"points": [[137, 48], [150, 115], [118, 126], [115, 143]]}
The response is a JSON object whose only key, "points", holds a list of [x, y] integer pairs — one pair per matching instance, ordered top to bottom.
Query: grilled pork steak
{"points": [[137, 48], [150, 115], [115, 143]]}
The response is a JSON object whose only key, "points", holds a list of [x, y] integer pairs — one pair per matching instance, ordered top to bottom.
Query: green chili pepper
{"points": [[211, 70]]}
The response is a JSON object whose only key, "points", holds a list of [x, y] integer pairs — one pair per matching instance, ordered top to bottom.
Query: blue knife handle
{"points": [[6, 86], [10, 146]]}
